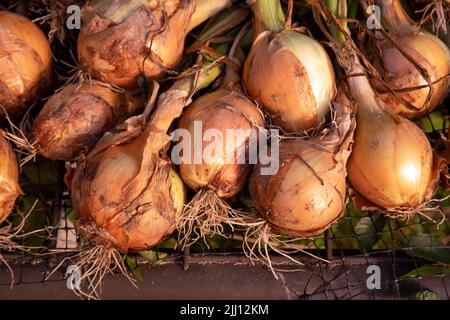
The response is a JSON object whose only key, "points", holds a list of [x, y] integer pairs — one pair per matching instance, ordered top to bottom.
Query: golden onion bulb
{"points": [[121, 39], [427, 50], [25, 63], [287, 72], [225, 111], [75, 118], [391, 164], [9, 178], [308, 193]]}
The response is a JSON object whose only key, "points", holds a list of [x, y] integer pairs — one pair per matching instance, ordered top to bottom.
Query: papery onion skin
{"points": [[116, 46], [25, 63], [399, 73], [291, 76], [221, 110], [74, 119], [9, 178], [129, 207]]}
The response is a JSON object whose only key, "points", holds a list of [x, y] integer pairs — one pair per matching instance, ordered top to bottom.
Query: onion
{"points": [[122, 39], [428, 52], [25, 63], [287, 72], [73, 119], [219, 128], [392, 161], [392, 166], [9, 178], [125, 193], [308, 193]]}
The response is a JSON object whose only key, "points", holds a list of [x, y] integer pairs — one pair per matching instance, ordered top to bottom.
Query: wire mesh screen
{"points": [[411, 256]]}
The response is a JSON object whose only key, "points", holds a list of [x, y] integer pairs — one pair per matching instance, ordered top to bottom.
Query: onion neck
{"points": [[205, 9], [267, 15], [394, 17], [362, 91], [168, 109]]}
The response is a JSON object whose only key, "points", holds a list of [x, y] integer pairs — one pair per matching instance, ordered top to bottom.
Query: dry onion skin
{"points": [[121, 39], [427, 50], [25, 63], [287, 72], [75, 118], [220, 175], [9, 178], [308, 193]]}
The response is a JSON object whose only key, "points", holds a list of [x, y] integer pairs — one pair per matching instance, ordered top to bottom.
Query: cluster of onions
{"points": [[121, 39], [410, 60], [25, 63], [287, 72], [75, 118], [392, 166], [220, 174], [9, 178], [126, 193]]}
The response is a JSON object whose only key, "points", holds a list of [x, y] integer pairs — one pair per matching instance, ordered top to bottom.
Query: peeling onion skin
{"points": [[116, 47], [25, 63], [399, 73], [291, 76], [221, 110], [75, 118], [9, 178], [308, 193], [122, 204]]}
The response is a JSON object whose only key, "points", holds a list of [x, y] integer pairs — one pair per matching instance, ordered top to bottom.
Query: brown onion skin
{"points": [[118, 53], [25, 63], [400, 73], [221, 110], [75, 118], [9, 178], [295, 203]]}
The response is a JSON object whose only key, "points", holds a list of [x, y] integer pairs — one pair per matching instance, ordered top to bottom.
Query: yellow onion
{"points": [[122, 39], [427, 50], [25, 63], [288, 73], [222, 110], [73, 119], [392, 163], [9, 178], [126, 193], [308, 193]]}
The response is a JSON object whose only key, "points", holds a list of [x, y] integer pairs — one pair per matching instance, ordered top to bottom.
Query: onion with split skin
{"points": [[121, 40], [427, 50], [25, 63], [287, 72], [75, 118], [9, 178], [308, 193]]}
